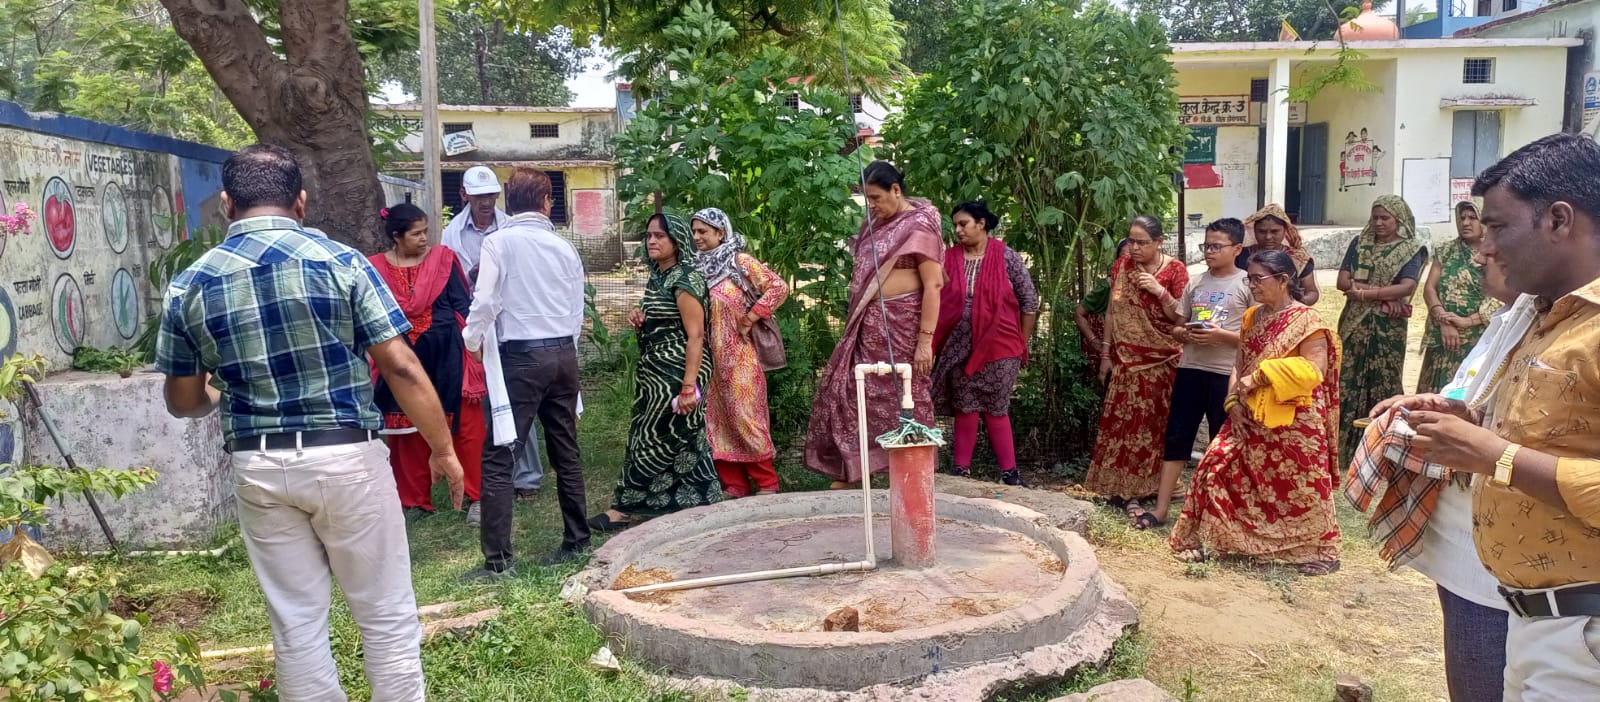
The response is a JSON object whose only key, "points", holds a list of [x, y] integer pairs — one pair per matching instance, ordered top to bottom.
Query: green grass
{"points": [[537, 649]]}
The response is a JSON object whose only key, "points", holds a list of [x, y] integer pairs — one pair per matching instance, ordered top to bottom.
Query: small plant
{"points": [[112, 360], [1197, 571]]}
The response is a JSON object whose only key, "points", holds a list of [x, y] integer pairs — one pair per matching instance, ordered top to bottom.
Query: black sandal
{"points": [[960, 472], [1147, 520], [603, 522], [1316, 568]]}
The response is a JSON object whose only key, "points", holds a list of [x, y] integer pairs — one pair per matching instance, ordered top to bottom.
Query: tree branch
{"points": [[230, 44]]}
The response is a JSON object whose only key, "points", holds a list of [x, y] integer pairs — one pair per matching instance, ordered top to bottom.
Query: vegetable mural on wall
{"points": [[75, 274]]}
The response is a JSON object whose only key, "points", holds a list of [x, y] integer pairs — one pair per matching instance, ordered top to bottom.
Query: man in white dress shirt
{"points": [[480, 217], [530, 286]]}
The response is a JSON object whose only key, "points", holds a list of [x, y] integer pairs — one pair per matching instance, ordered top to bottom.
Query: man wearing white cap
{"points": [[480, 216]]}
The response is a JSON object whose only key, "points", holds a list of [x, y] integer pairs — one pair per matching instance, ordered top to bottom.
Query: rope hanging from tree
{"points": [[910, 431]]}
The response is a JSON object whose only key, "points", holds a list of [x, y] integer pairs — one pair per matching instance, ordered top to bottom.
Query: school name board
{"points": [[1214, 110]]}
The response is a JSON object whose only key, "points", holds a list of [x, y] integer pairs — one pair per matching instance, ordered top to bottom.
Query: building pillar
{"points": [[1276, 122]]}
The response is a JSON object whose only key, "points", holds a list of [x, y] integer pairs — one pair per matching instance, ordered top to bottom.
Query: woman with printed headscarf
{"points": [[1272, 231], [1378, 277], [742, 293], [668, 463]]}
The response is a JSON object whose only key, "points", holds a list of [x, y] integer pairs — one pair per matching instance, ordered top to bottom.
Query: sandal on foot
{"points": [[960, 472], [1013, 478], [841, 485], [1133, 508], [1147, 520], [603, 522], [1192, 555], [1315, 568]]}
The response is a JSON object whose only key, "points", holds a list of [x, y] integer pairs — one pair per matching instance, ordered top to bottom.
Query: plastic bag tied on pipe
{"points": [[911, 433]]}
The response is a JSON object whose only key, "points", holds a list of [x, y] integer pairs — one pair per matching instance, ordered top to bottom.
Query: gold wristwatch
{"points": [[1502, 467]]}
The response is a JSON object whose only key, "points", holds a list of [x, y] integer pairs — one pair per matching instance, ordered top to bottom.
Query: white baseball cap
{"points": [[479, 180]]}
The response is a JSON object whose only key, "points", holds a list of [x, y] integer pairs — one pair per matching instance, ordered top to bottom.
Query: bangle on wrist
{"points": [[925, 332]]}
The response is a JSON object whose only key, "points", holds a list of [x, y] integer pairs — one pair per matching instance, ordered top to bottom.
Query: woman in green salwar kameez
{"points": [[1378, 277], [1458, 309], [668, 466]]}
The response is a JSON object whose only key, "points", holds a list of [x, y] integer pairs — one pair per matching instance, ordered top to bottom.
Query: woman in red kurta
{"points": [[743, 291], [433, 292], [1142, 361]]}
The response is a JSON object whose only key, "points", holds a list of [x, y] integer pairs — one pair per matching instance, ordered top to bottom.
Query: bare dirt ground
{"points": [[1234, 631]]}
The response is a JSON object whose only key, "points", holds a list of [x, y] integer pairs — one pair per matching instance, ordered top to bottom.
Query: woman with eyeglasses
{"points": [[1378, 277], [1141, 362], [1265, 486]]}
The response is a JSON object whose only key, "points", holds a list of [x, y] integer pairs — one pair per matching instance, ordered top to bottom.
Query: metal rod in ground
{"points": [[72, 465]]}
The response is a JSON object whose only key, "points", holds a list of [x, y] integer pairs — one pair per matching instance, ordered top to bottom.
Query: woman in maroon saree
{"points": [[902, 235], [432, 290]]}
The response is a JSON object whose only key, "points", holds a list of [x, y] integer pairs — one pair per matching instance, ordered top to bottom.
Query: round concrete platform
{"points": [[1007, 583]]}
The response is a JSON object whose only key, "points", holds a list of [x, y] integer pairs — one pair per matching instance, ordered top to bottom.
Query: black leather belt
{"points": [[531, 344], [301, 439], [1572, 601]]}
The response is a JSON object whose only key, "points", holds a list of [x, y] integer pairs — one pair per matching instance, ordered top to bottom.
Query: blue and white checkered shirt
{"points": [[282, 318]]}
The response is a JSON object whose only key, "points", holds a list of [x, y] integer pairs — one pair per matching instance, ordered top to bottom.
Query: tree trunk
{"points": [[312, 100]]}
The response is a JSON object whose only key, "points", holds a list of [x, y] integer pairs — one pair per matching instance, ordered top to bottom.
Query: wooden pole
{"points": [[432, 131], [1183, 219]]}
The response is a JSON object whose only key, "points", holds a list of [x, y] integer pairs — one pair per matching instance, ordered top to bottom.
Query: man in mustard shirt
{"points": [[1535, 440]]}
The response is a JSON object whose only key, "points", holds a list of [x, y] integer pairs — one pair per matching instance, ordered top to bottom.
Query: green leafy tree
{"points": [[1249, 20], [923, 25], [805, 29], [114, 61], [483, 61], [1065, 120], [722, 134]]}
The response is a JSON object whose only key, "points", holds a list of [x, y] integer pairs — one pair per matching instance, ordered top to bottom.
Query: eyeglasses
{"points": [[1212, 248], [1254, 279]]}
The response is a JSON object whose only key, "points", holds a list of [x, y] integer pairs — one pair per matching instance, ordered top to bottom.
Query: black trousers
{"points": [[542, 383], [1196, 395]]}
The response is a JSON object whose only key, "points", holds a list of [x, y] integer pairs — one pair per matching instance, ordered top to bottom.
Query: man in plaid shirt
{"points": [[274, 326]]}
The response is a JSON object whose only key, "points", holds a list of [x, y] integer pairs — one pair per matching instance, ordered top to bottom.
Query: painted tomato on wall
{"points": [[60, 217]]}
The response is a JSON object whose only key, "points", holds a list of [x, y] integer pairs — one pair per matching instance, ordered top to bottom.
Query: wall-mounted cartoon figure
{"points": [[1358, 162]]}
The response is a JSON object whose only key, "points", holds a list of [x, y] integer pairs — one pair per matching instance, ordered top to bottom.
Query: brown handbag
{"points": [[769, 345]]}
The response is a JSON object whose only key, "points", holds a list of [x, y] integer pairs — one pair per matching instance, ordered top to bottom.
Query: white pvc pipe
{"points": [[218, 551], [871, 561], [823, 569]]}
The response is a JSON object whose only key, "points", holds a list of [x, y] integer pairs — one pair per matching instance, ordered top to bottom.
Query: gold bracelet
{"points": [[924, 331]]}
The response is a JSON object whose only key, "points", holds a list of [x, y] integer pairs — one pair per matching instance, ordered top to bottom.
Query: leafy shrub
{"points": [[111, 360]]}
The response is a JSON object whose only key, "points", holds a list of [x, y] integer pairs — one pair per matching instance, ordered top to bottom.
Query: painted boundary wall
{"points": [[109, 202]]}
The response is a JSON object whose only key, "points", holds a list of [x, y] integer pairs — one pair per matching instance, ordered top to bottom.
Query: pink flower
{"points": [[162, 676], [265, 683]]}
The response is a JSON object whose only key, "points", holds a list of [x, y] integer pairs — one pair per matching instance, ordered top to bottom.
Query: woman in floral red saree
{"points": [[1142, 359], [1265, 486]]}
